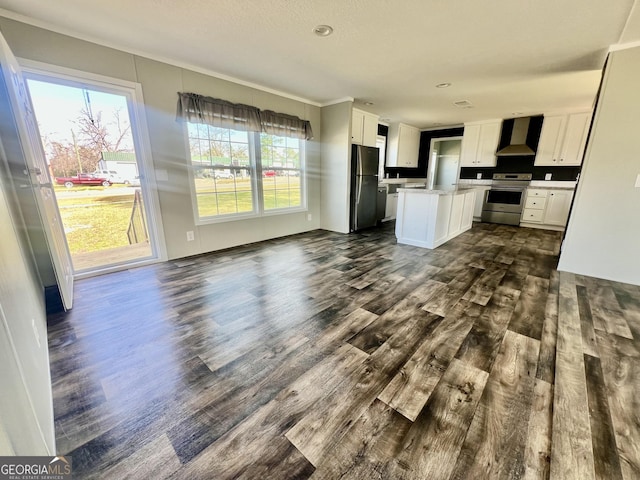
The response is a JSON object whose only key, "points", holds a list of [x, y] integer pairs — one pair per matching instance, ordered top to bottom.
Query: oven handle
{"points": [[507, 189]]}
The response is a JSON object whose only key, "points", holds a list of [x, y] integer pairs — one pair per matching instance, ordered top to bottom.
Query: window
{"points": [[245, 161], [230, 167], [221, 170], [281, 171]]}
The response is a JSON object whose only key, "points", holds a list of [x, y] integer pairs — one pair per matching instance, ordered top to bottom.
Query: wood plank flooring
{"points": [[331, 356]]}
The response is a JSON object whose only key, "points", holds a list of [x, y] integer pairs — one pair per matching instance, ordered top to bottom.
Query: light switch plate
{"points": [[162, 175], [547, 176], [638, 181]]}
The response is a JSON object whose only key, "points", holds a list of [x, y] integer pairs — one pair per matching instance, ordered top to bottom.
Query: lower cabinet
{"points": [[558, 205], [546, 208], [429, 218]]}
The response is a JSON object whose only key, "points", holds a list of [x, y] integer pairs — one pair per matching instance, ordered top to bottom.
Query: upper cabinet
{"points": [[364, 128], [563, 139], [479, 144], [404, 146]]}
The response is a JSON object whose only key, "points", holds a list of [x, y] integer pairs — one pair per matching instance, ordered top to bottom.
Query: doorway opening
{"points": [[90, 138], [444, 164]]}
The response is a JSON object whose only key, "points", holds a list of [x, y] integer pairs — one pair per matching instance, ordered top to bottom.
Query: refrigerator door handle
{"points": [[358, 197]]}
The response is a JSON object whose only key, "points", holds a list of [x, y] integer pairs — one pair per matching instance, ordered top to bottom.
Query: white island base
{"points": [[430, 217]]}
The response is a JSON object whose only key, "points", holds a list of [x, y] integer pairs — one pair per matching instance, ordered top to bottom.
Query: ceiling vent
{"points": [[463, 104]]}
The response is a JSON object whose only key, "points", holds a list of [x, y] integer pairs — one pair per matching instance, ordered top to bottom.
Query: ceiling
{"points": [[507, 57]]}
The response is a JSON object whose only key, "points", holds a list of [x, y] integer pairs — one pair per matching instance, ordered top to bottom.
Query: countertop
{"points": [[398, 181], [551, 185], [438, 189]]}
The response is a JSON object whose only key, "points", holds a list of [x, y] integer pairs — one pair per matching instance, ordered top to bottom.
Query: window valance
{"points": [[196, 108], [218, 113], [284, 125]]}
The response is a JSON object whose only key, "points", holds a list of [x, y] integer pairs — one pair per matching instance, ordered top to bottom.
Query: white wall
{"points": [[160, 84], [336, 153], [603, 234], [26, 411]]}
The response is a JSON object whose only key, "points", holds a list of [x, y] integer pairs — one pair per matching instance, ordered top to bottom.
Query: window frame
{"points": [[256, 171], [303, 179]]}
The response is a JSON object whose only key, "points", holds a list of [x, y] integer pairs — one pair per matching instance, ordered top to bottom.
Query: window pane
{"points": [[203, 131], [221, 134], [239, 137], [221, 153], [240, 154], [293, 158], [281, 172], [221, 173], [207, 205]]}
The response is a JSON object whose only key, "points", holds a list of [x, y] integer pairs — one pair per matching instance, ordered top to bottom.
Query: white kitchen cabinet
{"points": [[364, 128], [563, 139], [479, 144], [404, 146], [534, 205], [558, 205], [546, 207], [468, 210], [429, 218]]}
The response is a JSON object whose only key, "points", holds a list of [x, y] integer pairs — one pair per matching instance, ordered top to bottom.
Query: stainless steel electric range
{"points": [[504, 201]]}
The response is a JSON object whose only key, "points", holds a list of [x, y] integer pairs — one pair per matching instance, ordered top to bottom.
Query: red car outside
{"points": [[83, 179]]}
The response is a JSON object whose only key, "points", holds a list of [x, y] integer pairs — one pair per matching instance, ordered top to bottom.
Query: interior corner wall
{"points": [[160, 83], [336, 140], [602, 238]]}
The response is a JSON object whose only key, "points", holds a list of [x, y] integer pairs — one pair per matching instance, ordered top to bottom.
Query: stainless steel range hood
{"points": [[518, 144]]}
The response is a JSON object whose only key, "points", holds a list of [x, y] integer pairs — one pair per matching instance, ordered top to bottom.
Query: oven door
{"points": [[504, 199], [503, 205]]}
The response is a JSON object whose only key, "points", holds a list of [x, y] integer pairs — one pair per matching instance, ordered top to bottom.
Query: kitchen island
{"points": [[429, 217]]}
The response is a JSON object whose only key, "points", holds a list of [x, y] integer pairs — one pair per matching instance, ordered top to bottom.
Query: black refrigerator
{"points": [[364, 187]]}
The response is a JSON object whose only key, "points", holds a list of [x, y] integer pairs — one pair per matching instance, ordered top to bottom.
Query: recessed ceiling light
{"points": [[323, 30], [443, 85], [368, 104]]}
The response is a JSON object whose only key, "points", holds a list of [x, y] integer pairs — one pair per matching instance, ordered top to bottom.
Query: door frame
{"points": [[133, 92], [432, 165]]}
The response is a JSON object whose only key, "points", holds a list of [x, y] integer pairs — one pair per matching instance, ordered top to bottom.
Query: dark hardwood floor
{"points": [[331, 356]]}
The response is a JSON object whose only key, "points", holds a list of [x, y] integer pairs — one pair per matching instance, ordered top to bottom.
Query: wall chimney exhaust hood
{"points": [[518, 143]]}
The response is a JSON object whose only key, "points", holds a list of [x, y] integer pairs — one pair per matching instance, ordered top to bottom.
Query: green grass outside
{"points": [[219, 197], [98, 223], [94, 224]]}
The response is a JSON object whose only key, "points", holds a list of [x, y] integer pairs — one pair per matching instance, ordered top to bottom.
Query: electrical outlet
{"points": [[479, 176], [547, 176], [309, 217], [190, 236]]}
